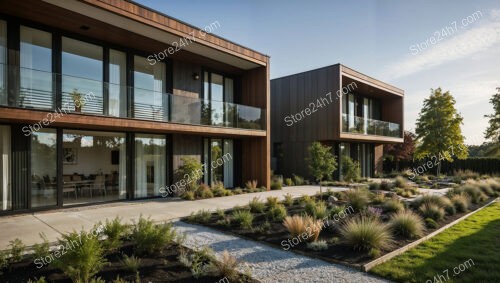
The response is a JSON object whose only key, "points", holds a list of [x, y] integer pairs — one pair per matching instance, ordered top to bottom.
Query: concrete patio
{"points": [[28, 226]]}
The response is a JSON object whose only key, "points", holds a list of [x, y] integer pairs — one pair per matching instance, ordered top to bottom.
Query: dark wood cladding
{"points": [[161, 21], [13, 115], [185, 146], [256, 152]]}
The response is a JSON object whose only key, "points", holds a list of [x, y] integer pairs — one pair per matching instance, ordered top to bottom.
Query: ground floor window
{"points": [[359, 152], [218, 160], [150, 165], [94, 166], [44, 168], [5, 186]]}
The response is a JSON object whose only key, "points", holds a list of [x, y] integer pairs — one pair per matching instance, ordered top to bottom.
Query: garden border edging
{"points": [[366, 267]]}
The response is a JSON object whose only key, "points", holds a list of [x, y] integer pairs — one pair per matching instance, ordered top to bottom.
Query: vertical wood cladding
{"points": [[20, 164]]}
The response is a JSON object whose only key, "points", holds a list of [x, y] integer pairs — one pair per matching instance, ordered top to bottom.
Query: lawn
{"points": [[476, 238]]}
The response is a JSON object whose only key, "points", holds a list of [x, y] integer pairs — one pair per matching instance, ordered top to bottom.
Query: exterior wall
{"points": [[292, 95], [378, 158]]}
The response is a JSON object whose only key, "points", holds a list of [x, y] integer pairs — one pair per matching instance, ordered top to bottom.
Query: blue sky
{"points": [[377, 38]]}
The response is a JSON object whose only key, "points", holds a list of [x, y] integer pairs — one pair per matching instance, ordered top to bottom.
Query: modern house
{"points": [[100, 100], [338, 106]]}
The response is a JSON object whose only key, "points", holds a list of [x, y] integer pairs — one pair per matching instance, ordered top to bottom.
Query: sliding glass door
{"points": [[3, 63], [82, 75], [117, 84], [36, 90], [218, 90], [150, 103], [218, 160], [150, 165], [44, 168], [5, 186]]}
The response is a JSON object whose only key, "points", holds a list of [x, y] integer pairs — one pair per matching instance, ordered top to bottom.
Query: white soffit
{"points": [[151, 32]]}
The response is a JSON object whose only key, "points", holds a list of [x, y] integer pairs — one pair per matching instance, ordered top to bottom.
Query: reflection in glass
{"points": [[3, 63], [36, 69], [82, 74], [117, 84], [149, 87], [216, 154], [150, 165], [94, 166], [44, 168], [5, 187]]}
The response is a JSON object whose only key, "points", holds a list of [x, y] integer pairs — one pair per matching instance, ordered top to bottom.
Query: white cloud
{"points": [[459, 46]]}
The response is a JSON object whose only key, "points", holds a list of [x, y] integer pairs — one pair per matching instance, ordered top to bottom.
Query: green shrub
{"points": [[351, 170], [190, 171], [465, 174], [298, 180], [288, 182], [400, 182], [276, 185], [385, 185], [373, 186], [486, 188], [219, 190], [203, 191], [238, 191], [475, 194], [188, 195], [357, 198], [378, 198], [305, 199], [272, 201], [288, 201], [440, 201], [461, 202], [256, 205], [393, 205], [317, 210], [336, 210], [430, 210], [277, 212], [221, 213], [201, 216], [243, 218], [430, 223], [407, 224], [115, 231], [364, 234], [150, 238], [318, 245], [17, 249], [41, 250], [83, 256], [4, 260], [199, 261], [131, 263], [39, 280]]}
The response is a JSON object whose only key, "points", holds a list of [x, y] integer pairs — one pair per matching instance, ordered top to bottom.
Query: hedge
{"points": [[479, 165]]}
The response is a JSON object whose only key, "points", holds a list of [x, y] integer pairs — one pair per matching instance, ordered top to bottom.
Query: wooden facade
{"points": [[137, 30], [314, 98]]}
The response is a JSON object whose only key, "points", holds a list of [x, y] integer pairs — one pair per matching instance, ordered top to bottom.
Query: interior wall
{"points": [[91, 160]]}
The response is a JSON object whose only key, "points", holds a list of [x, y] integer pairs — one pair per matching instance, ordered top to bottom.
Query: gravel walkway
{"points": [[269, 264]]}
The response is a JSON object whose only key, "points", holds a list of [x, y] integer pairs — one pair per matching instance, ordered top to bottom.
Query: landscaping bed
{"points": [[356, 226], [472, 243], [145, 252]]}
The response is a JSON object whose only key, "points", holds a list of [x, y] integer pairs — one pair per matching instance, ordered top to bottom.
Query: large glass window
{"points": [[3, 63], [36, 69], [82, 74], [117, 84], [219, 91], [150, 101], [218, 160], [150, 165], [94, 166], [44, 168], [5, 187]]}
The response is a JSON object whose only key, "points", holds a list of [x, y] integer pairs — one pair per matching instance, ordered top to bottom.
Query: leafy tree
{"points": [[438, 129], [493, 131], [401, 151], [321, 162], [351, 171]]}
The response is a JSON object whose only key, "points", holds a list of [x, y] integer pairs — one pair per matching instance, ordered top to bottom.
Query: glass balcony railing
{"points": [[37, 90], [359, 125]]}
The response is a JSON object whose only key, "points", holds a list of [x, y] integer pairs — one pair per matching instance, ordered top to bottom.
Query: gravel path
{"points": [[269, 264]]}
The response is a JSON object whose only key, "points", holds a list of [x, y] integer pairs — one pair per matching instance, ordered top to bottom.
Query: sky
{"points": [[414, 45]]}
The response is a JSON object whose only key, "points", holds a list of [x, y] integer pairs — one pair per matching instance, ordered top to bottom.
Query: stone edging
{"points": [[386, 257]]}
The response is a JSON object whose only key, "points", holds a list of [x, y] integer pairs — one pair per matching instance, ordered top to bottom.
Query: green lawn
{"points": [[476, 238]]}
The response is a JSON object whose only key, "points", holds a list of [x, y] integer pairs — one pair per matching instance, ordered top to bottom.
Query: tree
{"points": [[438, 129], [493, 131], [401, 151], [321, 162], [191, 171], [351, 171]]}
